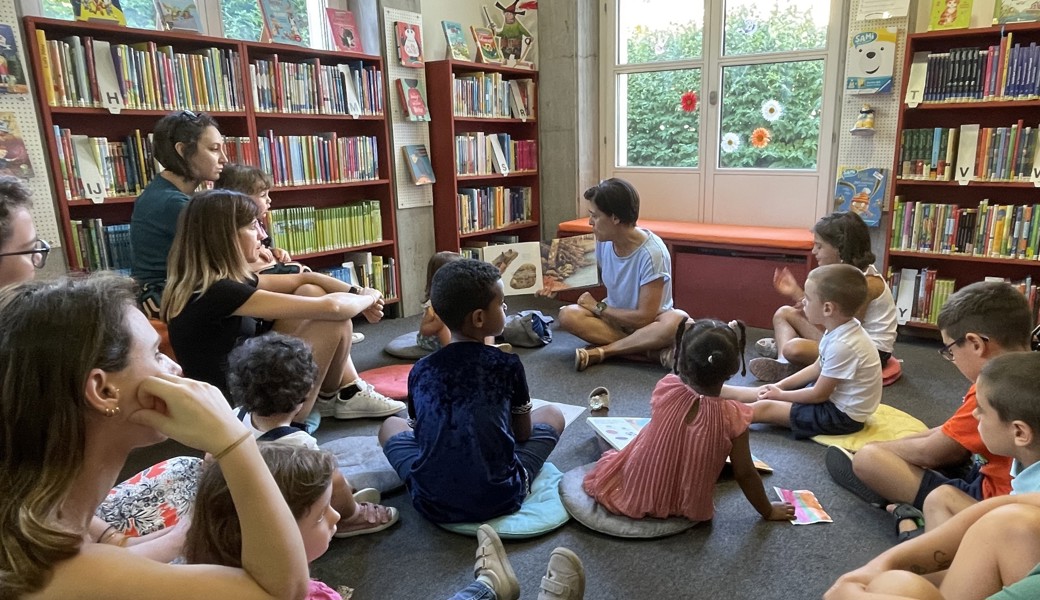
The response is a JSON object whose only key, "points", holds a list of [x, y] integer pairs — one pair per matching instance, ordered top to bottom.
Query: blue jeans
{"points": [[475, 591]]}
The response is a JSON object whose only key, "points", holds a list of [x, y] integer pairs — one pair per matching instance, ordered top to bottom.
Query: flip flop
{"points": [[583, 358], [599, 399], [903, 512]]}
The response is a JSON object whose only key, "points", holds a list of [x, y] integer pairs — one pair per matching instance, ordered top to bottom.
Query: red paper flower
{"points": [[689, 101], [760, 137]]}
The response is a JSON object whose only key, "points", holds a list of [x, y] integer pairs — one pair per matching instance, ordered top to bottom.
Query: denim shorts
{"points": [[824, 418]]}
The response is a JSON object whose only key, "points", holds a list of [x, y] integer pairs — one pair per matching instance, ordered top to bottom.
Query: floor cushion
{"points": [[403, 346], [891, 371], [390, 381], [888, 423], [363, 463], [541, 512], [591, 514]]}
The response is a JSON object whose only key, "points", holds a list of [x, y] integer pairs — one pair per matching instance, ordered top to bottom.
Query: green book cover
{"points": [[949, 14]]}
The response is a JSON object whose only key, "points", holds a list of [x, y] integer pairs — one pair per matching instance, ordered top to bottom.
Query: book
{"points": [[104, 11], [1014, 11], [949, 14], [178, 15], [282, 24], [344, 30], [455, 37], [409, 44], [487, 45], [871, 60], [12, 73], [412, 93], [14, 158], [418, 160], [861, 191], [569, 263], [520, 265], [807, 509]]}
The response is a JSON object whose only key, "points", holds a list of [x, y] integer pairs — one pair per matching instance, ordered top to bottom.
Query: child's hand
{"points": [[281, 255], [785, 283], [770, 392], [780, 511]]}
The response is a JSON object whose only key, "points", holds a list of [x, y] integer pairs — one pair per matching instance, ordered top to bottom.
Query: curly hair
{"points": [[461, 287], [708, 353], [271, 374]]}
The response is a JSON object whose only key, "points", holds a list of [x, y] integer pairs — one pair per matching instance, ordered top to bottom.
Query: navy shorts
{"points": [[824, 418], [971, 484]]}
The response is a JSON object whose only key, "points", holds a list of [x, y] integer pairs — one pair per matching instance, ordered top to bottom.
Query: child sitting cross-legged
{"points": [[433, 334], [846, 378], [268, 379], [476, 445], [670, 468]]}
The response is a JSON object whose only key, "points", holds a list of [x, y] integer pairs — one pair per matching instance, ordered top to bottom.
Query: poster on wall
{"points": [[870, 61]]}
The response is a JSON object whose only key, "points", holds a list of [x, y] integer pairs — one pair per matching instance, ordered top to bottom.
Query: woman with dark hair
{"points": [[190, 148], [21, 251], [637, 316]]}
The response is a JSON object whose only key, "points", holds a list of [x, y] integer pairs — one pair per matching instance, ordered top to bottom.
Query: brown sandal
{"points": [[585, 358]]}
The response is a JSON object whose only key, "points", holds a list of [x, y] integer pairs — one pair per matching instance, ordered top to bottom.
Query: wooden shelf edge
{"points": [[973, 104], [142, 112], [317, 116], [462, 119], [514, 174], [973, 183], [329, 186], [108, 201], [505, 229], [360, 248], [965, 258]]}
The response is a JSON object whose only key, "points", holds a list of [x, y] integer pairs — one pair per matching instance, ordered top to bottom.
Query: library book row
{"points": [[85, 72], [1001, 72], [314, 88], [487, 95], [481, 153], [944, 154], [318, 158], [481, 209], [302, 230], [998, 230], [475, 248], [369, 270], [920, 293]]}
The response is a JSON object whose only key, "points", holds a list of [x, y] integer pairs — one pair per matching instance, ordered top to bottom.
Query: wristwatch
{"points": [[356, 290], [600, 307]]}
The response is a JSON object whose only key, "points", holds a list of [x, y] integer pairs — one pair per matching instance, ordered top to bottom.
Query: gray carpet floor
{"points": [[736, 556]]}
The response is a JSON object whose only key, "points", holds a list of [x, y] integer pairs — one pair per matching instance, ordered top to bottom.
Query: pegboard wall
{"points": [[23, 106], [404, 131]]}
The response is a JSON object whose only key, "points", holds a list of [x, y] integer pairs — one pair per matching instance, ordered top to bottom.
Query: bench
{"points": [[726, 271]]}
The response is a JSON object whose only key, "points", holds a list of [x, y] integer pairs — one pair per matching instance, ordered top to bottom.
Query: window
{"points": [[139, 13]]}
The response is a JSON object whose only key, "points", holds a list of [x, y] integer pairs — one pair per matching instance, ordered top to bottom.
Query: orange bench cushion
{"points": [[710, 233]]}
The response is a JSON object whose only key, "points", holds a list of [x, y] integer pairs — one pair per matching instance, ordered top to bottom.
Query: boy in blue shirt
{"points": [[476, 445]]}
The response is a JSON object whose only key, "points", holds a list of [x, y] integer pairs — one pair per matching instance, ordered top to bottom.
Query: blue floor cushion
{"points": [[403, 346], [363, 463], [541, 512], [591, 514]]}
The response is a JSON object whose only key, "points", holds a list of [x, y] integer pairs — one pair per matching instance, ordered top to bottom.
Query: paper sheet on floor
{"points": [[570, 412], [807, 509]]}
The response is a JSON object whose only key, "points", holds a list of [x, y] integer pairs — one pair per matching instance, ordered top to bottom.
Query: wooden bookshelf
{"points": [[245, 119], [445, 125], [955, 200]]}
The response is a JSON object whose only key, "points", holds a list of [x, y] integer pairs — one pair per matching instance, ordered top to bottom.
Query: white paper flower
{"points": [[771, 110], [730, 142]]}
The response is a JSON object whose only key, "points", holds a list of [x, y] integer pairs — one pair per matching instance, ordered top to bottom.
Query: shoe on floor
{"points": [[357, 337], [766, 347], [586, 357], [770, 370], [366, 403], [325, 405], [839, 465], [370, 495], [903, 512], [367, 518], [492, 565], [564, 577]]}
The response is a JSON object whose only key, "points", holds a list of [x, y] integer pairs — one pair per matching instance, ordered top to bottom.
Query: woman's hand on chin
{"points": [[191, 412]]}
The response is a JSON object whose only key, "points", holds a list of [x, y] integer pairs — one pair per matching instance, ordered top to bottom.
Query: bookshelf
{"points": [[280, 107], [965, 182], [474, 200]]}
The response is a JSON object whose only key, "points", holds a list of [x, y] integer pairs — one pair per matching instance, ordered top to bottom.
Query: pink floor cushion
{"points": [[891, 371], [390, 381]]}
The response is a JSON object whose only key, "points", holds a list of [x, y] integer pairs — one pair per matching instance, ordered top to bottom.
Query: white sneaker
{"points": [[357, 337], [766, 347], [367, 403], [325, 404]]}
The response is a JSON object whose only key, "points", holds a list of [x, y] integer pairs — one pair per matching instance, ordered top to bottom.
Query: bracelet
{"points": [[234, 444], [111, 528]]}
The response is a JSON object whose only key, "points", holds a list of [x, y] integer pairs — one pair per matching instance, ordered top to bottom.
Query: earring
{"points": [[112, 411]]}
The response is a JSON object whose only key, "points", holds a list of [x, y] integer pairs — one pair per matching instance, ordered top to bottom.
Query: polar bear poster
{"points": [[870, 61]]}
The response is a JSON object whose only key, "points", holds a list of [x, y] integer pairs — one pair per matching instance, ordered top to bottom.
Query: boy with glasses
{"points": [[21, 252], [978, 323]]}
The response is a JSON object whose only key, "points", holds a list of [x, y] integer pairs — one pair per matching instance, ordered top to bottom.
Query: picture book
{"points": [[107, 11], [1014, 11], [949, 14], [181, 15], [282, 23], [344, 30], [409, 44], [487, 45], [458, 49], [870, 62], [12, 73], [412, 93], [14, 158], [418, 160], [861, 191], [569, 263], [519, 264], [570, 411], [807, 509]]}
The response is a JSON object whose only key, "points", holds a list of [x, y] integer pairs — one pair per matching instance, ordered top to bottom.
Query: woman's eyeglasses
{"points": [[39, 253]]}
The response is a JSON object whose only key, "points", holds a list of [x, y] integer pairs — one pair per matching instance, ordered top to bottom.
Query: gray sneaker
{"points": [[766, 348], [770, 370], [367, 403], [839, 465], [492, 565], [564, 577]]}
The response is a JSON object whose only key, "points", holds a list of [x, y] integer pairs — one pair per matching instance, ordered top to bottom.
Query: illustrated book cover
{"points": [[103, 11], [1015, 11], [949, 14], [179, 15], [282, 23], [344, 30], [455, 37], [409, 44], [487, 45], [870, 62], [12, 72], [412, 93], [14, 158], [418, 160], [861, 191], [569, 263], [520, 265], [807, 509]]}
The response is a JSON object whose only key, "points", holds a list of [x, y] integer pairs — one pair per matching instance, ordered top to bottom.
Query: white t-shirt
{"points": [[624, 275], [880, 318], [849, 355]]}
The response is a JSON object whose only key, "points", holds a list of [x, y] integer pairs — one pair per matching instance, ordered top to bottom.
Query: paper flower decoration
{"points": [[689, 101], [771, 110], [760, 137], [730, 142]]}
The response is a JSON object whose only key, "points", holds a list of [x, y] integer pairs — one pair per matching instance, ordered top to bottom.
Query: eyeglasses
{"points": [[39, 253], [947, 350]]}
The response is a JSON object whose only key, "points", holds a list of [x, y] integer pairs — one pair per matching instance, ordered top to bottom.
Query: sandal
{"points": [[585, 358], [599, 399], [902, 512], [367, 518]]}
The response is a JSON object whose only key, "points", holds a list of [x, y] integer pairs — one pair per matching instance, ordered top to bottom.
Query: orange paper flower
{"points": [[689, 101], [760, 137]]}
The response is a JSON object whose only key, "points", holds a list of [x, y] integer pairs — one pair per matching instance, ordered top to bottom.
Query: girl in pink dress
{"points": [[670, 468]]}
